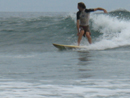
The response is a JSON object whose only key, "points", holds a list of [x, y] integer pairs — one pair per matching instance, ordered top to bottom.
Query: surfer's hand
{"points": [[105, 11]]}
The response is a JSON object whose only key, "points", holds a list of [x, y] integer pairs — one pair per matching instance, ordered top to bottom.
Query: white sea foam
{"points": [[116, 33], [81, 89]]}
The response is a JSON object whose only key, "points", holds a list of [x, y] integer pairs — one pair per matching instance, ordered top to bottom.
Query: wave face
{"points": [[114, 28], [32, 32]]}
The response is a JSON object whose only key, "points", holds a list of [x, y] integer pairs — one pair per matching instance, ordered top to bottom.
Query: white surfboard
{"points": [[63, 47]]}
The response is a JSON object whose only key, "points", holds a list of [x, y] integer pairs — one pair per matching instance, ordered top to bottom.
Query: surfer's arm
{"points": [[105, 11], [78, 26]]}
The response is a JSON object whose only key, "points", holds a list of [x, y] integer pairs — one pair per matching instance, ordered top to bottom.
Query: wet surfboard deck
{"points": [[64, 47]]}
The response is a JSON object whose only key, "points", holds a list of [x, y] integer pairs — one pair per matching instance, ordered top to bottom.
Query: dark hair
{"points": [[82, 5]]}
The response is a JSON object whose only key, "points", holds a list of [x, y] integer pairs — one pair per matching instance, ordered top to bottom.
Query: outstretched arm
{"points": [[105, 11]]}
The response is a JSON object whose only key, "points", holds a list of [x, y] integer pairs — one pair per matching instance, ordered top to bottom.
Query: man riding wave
{"points": [[83, 21]]}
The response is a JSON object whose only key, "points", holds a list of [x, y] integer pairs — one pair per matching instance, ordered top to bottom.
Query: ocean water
{"points": [[31, 67]]}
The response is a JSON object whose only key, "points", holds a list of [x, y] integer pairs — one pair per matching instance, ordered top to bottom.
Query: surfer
{"points": [[83, 21]]}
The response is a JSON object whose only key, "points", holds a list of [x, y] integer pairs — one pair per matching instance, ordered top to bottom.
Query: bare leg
{"points": [[80, 36], [89, 37]]}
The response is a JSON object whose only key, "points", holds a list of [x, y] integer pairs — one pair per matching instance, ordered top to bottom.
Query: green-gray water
{"points": [[31, 67]]}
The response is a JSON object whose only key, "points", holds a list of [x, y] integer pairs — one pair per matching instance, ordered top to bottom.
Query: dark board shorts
{"points": [[85, 28]]}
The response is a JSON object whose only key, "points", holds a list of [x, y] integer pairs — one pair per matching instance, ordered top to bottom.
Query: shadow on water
{"points": [[84, 62]]}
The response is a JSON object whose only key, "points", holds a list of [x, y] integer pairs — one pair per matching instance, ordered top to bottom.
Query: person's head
{"points": [[81, 6]]}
